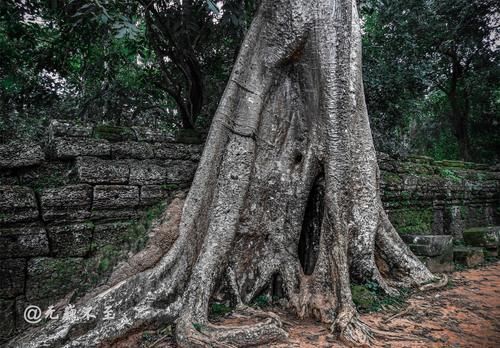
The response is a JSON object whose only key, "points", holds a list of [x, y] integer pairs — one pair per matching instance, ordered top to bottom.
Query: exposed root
{"points": [[441, 283], [385, 285], [397, 315], [351, 330], [355, 333], [209, 335]]}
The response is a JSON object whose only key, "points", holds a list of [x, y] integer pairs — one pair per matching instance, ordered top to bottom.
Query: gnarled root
{"points": [[440, 283], [351, 330], [355, 333], [204, 334]]}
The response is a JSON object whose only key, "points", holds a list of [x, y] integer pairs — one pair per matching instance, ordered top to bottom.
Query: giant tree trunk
{"points": [[286, 195]]}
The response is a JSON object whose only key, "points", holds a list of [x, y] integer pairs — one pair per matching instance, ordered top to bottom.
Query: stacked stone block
{"points": [[79, 192]]}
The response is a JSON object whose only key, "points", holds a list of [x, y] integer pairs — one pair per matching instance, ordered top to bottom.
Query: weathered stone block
{"points": [[62, 128], [114, 133], [152, 135], [67, 148], [132, 149], [177, 151], [16, 154], [421, 159], [92, 170], [180, 171], [146, 173], [47, 174], [8, 177], [152, 194], [115, 196], [70, 202], [17, 204], [114, 214], [438, 221], [453, 221], [114, 233], [487, 237], [71, 240], [23, 242], [428, 245], [469, 256], [439, 264], [12, 273], [52, 278], [7, 319]]}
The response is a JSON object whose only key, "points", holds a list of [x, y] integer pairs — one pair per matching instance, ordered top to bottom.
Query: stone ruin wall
{"points": [[423, 196], [75, 205], [71, 208]]}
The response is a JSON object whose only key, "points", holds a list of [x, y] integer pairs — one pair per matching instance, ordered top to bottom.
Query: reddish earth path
{"points": [[465, 315]]}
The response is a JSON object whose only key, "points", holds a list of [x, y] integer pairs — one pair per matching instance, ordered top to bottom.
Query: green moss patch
{"points": [[113, 133], [412, 221], [368, 297], [363, 298]]}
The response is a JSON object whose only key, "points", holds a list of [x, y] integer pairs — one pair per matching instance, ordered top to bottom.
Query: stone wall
{"points": [[427, 197], [74, 206], [70, 207]]}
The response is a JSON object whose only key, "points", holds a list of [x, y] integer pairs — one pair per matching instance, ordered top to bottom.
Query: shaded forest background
{"points": [[431, 68]]}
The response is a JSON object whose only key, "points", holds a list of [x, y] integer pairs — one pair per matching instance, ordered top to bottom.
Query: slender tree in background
{"points": [[286, 195]]}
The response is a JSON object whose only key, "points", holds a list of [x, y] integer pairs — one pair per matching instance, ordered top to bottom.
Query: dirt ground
{"points": [[465, 315]]}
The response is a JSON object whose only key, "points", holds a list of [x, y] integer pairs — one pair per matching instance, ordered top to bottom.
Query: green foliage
{"points": [[98, 61], [429, 68], [431, 76], [450, 174], [170, 187], [137, 233], [108, 257], [369, 297], [363, 298], [262, 301], [219, 309], [198, 327]]}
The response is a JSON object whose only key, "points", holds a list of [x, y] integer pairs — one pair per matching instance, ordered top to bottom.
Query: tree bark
{"points": [[287, 188]]}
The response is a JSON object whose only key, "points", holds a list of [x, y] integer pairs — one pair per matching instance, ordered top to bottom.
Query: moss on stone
{"points": [[113, 133], [421, 159], [456, 164], [450, 175], [391, 178], [170, 187], [412, 221], [481, 236], [51, 278]]}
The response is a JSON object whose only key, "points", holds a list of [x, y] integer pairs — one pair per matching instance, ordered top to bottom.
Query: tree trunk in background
{"points": [[460, 109], [285, 198]]}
